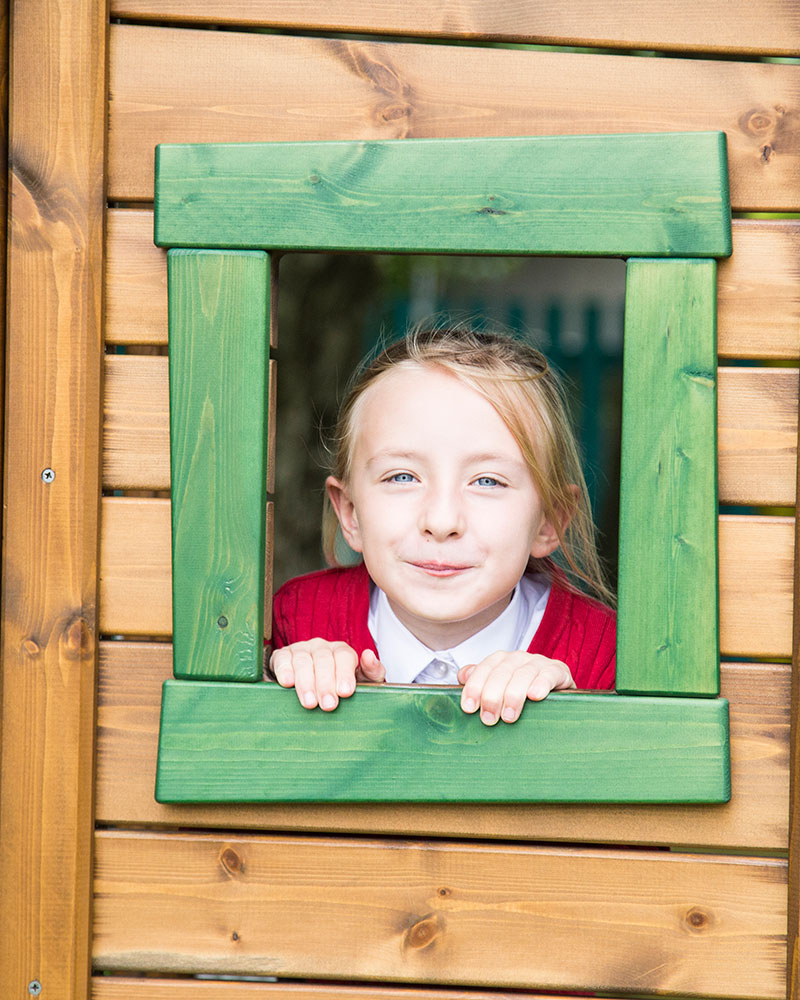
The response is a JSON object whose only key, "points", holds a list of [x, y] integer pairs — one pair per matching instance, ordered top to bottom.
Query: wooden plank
{"points": [[709, 26], [172, 85], [589, 195], [758, 288], [758, 291], [219, 399], [757, 430], [757, 435], [49, 572], [756, 577], [668, 595], [763, 624], [256, 743], [756, 817], [411, 912], [793, 921], [128, 988]]}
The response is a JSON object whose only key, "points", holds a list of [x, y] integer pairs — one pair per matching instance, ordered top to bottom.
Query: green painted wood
{"points": [[622, 195], [218, 347], [667, 639], [254, 743]]}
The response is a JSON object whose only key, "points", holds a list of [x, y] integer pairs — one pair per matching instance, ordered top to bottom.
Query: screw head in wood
{"points": [[47, 477], [34, 986]]}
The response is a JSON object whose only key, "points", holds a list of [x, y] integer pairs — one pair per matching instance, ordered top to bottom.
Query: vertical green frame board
{"points": [[659, 200]]}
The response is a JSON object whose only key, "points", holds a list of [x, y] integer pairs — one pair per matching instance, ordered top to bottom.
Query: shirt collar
{"points": [[404, 656]]}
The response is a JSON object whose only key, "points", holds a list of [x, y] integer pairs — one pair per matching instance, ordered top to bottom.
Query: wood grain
{"points": [[773, 27], [176, 85], [609, 195], [758, 288], [758, 292], [219, 399], [757, 435], [49, 573], [756, 577], [668, 638], [131, 675], [255, 743], [413, 911], [793, 922], [128, 988]]}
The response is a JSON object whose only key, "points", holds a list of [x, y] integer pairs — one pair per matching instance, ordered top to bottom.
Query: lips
{"points": [[441, 569]]}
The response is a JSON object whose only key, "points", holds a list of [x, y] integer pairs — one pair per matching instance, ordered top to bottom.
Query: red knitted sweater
{"points": [[333, 604]]}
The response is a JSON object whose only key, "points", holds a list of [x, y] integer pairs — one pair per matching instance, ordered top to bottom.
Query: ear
{"points": [[345, 510], [551, 530]]}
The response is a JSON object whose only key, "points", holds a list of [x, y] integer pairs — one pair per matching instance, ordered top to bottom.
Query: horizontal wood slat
{"points": [[707, 26], [175, 85], [655, 195], [758, 288], [757, 430], [756, 567], [129, 701], [229, 742], [450, 913], [128, 988]]}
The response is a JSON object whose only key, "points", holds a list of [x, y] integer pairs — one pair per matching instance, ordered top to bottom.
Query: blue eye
{"points": [[401, 477], [487, 481]]}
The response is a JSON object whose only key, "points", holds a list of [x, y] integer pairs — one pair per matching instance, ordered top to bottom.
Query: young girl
{"points": [[457, 478]]}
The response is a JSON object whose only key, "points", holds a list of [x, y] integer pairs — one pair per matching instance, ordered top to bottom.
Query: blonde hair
{"points": [[527, 394]]}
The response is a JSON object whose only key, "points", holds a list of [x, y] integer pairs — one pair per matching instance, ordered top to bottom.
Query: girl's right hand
{"points": [[321, 672]]}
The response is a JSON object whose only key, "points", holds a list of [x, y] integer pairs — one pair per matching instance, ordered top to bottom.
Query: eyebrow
{"points": [[479, 458]]}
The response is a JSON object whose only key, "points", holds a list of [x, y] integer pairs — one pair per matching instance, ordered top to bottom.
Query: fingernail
{"points": [[346, 688], [309, 701], [328, 702], [468, 705], [509, 715], [488, 718]]}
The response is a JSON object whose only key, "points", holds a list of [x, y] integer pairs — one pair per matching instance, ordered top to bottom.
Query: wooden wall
{"points": [[429, 901]]}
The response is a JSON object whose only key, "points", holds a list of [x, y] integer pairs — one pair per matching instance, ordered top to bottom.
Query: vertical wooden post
{"points": [[52, 491], [793, 936]]}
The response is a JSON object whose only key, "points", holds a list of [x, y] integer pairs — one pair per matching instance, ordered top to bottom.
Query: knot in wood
{"points": [[757, 121], [76, 639], [30, 647], [440, 710], [231, 862], [698, 920], [423, 933]]}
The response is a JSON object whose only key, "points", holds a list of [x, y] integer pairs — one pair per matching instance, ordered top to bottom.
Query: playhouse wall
{"points": [[653, 900]]}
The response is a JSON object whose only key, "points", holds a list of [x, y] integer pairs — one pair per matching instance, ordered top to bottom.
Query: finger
{"points": [[345, 662], [280, 664], [371, 668], [465, 673], [553, 675], [476, 676], [323, 677], [304, 678], [486, 686], [515, 693]]}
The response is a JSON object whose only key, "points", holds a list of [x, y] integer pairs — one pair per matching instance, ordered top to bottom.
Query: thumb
{"points": [[371, 667], [464, 673]]}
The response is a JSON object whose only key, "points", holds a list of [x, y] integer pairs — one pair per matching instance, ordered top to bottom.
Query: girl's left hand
{"points": [[500, 684]]}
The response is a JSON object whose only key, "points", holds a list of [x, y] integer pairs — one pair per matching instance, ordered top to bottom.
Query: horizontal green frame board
{"points": [[657, 195], [218, 374], [668, 638], [223, 742]]}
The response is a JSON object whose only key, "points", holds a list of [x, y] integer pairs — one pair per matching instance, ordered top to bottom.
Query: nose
{"points": [[442, 513]]}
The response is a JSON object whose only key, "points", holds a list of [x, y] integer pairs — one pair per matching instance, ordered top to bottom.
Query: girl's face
{"points": [[440, 502]]}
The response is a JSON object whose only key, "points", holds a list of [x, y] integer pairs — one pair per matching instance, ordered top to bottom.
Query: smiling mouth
{"points": [[440, 569]]}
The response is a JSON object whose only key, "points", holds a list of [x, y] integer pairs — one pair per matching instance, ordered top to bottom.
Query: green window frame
{"points": [[662, 202]]}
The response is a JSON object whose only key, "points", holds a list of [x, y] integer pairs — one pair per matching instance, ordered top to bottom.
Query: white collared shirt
{"points": [[409, 661]]}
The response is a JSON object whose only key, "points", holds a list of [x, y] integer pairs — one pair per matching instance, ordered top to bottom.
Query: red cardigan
{"points": [[333, 604]]}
